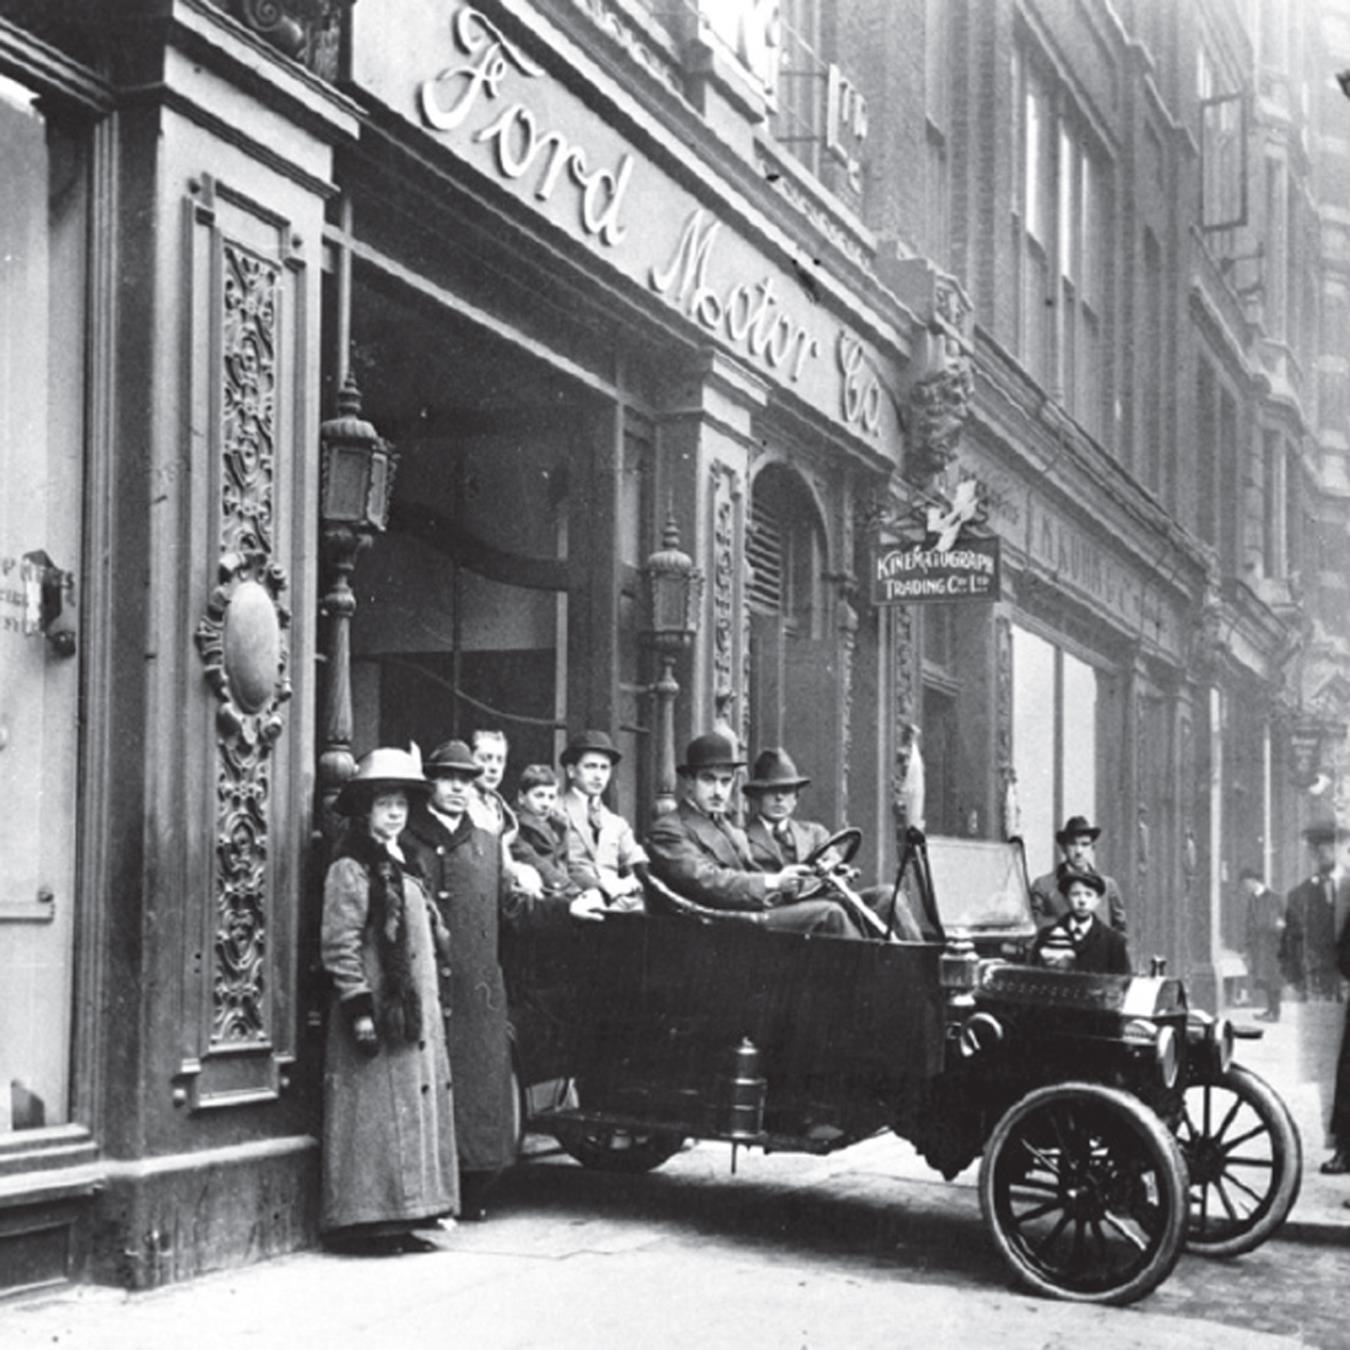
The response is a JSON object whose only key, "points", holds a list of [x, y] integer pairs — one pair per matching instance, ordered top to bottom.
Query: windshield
{"points": [[980, 886]]}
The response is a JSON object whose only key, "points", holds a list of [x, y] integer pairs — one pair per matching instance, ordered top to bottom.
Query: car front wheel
{"points": [[1245, 1162], [1084, 1190]]}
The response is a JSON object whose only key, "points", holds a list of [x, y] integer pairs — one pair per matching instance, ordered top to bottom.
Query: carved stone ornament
{"points": [[308, 31], [939, 405], [723, 573], [243, 647]]}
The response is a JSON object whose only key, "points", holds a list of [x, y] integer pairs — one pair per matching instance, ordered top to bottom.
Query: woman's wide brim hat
{"points": [[589, 743], [713, 750], [452, 757], [382, 770], [774, 771], [1075, 826], [1071, 874]]}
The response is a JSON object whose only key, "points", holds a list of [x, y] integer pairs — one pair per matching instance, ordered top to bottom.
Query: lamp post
{"points": [[356, 481], [674, 591]]}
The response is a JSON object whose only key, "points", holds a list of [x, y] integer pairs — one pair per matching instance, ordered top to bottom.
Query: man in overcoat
{"points": [[772, 791], [1077, 841], [602, 851], [699, 853], [463, 866], [1263, 930], [1308, 950], [1315, 955]]}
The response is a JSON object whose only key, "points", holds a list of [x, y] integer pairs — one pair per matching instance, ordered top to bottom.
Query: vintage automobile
{"points": [[1111, 1123]]}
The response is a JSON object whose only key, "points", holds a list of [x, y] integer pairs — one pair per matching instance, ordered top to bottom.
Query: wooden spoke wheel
{"points": [[1245, 1162], [1084, 1189]]}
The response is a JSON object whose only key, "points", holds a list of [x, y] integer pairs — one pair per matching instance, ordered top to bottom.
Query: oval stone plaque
{"points": [[252, 645]]}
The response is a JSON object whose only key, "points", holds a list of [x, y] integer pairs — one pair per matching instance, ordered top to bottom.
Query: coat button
{"points": [[426, 1087]]}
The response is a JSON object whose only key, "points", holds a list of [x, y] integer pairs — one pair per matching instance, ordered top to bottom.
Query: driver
{"points": [[772, 790], [700, 854]]}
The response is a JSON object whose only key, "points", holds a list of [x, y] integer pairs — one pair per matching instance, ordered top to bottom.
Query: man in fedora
{"points": [[776, 838], [1076, 841], [602, 851], [702, 856], [462, 862]]}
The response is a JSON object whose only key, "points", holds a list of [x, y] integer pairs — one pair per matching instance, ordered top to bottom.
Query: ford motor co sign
{"points": [[909, 574]]}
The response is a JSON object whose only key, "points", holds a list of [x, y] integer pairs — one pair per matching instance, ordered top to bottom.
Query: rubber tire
{"points": [[593, 1146], [1161, 1151], [1286, 1160]]}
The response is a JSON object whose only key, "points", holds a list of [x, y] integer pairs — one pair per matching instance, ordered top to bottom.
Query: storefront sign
{"points": [[451, 70], [907, 574]]}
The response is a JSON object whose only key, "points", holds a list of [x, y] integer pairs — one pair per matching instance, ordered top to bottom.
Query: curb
{"points": [[1311, 1231]]}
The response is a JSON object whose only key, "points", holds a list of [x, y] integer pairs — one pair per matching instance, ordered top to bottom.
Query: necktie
{"points": [[593, 817], [787, 845], [1079, 931]]}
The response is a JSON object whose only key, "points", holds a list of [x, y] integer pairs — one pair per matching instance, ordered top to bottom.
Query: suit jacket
{"points": [[541, 841], [767, 850], [606, 861], [705, 864], [1047, 904], [1261, 939], [1308, 949], [1101, 950]]}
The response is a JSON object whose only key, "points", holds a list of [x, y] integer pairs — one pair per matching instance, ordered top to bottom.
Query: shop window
{"points": [[43, 235], [1055, 702]]}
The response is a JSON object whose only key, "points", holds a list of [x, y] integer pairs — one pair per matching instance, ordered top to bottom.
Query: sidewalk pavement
{"points": [[1305, 1037]]}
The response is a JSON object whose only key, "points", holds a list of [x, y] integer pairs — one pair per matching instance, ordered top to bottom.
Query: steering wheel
{"points": [[845, 842]]}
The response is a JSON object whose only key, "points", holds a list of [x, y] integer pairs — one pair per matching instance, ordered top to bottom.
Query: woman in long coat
{"points": [[463, 864], [389, 1159]]}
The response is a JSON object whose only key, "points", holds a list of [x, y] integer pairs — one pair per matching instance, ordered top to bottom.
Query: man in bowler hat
{"points": [[775, 836], [1076, 841], [602, 851], [698, 852]]}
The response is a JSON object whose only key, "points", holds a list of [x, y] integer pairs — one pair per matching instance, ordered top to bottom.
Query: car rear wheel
{"points": [[609, 1148], [1245, 1162], [1084, 1190]]}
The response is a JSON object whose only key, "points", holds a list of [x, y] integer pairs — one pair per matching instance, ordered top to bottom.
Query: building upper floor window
{"points": [[1063, 233]]}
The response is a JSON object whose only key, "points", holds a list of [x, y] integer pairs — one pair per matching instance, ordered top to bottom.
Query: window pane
{"points": [[42, 243], [1034, 745], [1078, 761]]}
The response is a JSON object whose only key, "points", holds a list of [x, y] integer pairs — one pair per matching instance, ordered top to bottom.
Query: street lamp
{"points": [[355, 484], [674, 592]]}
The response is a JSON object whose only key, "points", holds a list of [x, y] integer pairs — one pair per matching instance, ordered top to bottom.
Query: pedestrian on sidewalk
{"points": [[1077, 841], [463, 863], [1264, 929], [389, 1163]]}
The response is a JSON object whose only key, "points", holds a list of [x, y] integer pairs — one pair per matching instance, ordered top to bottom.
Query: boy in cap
{"points": [[1076, 841], [541, 842], [602, 851], [703, 856], [1094, 946]]}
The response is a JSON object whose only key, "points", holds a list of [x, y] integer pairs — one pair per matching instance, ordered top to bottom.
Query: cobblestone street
{"points": [[855, 1250]]}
